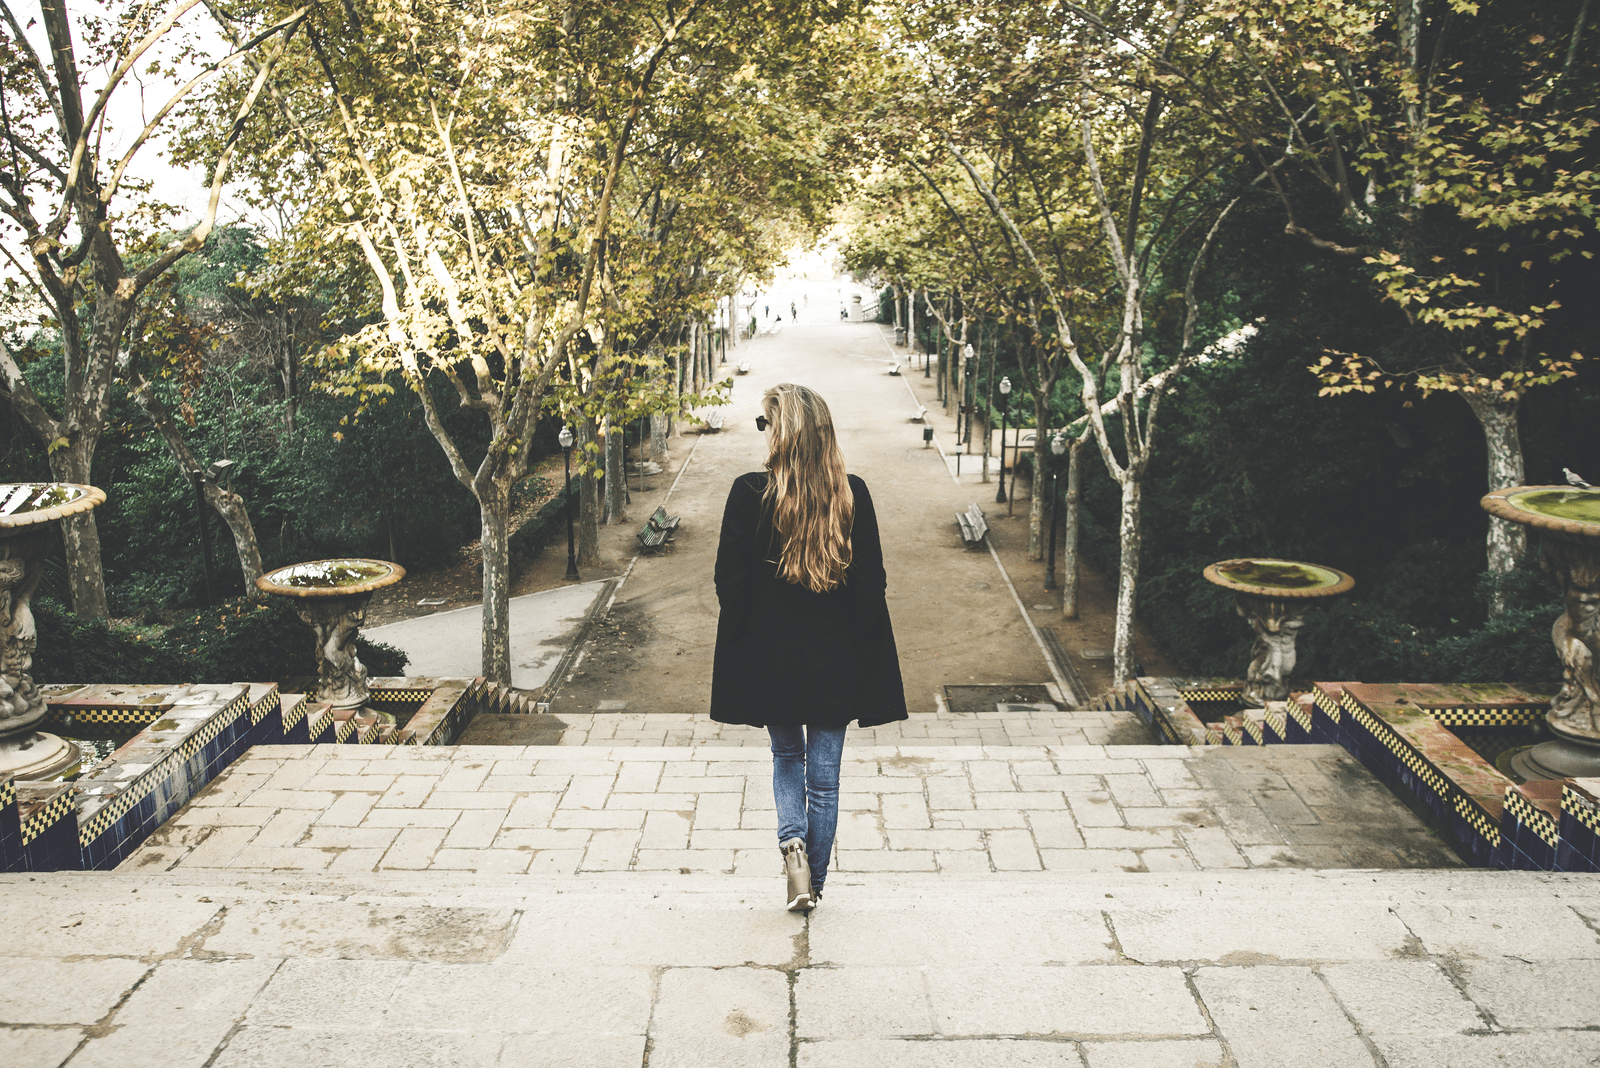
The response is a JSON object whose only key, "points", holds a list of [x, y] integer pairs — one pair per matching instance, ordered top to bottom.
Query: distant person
{"points": [[766, 311], [794, 313], [844, 313], [804, 641]]}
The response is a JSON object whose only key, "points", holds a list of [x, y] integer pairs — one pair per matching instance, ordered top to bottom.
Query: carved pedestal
{"points": [[29, 512], [1567, 521], [1274, 596], [332, 597], [1276, 624], [341, 677], [1574, 716], [24, 751]]}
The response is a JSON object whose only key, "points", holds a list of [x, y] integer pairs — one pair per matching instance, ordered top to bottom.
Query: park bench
{"points": [[894, 366], [744, 367], [921, 412], [714, 424], [973, 526], [659, 529]]}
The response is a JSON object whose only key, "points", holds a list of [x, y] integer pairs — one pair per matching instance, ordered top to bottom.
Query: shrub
{"points": [[546, 525], [237, 641]]}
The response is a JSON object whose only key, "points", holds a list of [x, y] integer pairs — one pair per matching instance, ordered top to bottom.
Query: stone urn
{"points": [[28, 515], [1567, 522], [332, 596], [1274, 596]]}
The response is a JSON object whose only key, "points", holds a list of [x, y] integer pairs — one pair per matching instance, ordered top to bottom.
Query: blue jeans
{"points": [[805, 784]]}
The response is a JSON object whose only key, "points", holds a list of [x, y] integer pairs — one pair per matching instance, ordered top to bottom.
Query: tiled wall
{"points": [[1401, 733], [193, 734]]}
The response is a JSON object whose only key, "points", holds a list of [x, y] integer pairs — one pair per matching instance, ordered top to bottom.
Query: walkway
{"points": [[958, 620], [1007, 892]]}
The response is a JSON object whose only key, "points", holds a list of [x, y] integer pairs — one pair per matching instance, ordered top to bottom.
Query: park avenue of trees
{"points": [[1241, 256]]}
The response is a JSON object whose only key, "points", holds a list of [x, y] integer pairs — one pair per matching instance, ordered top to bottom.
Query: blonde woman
{"points": [[804, 643]]}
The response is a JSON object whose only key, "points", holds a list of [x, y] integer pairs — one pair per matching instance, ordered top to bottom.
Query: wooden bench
{"points": [[744, 368], [921, 413], [714, 423], [973, 526], [659, 529]]}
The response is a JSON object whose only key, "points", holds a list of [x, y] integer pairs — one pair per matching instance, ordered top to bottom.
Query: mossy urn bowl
{"points": [[26, 504], [28, 513], [1570, 513], [340, 577], [1280, 579]]}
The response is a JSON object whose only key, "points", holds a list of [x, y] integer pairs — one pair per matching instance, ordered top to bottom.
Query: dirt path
{"points": [[956, 620]]}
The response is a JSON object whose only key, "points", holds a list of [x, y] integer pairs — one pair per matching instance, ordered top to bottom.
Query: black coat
{"points": [[787, 656]]}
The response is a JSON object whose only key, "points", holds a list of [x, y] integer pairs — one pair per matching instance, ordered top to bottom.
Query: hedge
{"points": [[239, 640]]}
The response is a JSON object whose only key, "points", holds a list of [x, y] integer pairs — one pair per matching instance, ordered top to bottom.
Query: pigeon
{"points": [[1574, 479]]}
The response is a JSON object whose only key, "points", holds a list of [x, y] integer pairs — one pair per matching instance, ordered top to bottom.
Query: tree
{"points": [[1059, 128], [1444, 149], [476, 159], [71, 260]]}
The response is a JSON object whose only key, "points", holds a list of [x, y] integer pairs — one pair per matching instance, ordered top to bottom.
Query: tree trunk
{"points": [[658, 437], [1042, 461], [612, 484], [588, 503], [227, 504], [230, 506], [494, 507], [80, 536], [1507, 541], [1069, 553], [1127, 579]]}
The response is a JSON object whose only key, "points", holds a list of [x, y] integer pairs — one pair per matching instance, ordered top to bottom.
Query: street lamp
{"points": [[963, 409], [1005, 411], [565, 438], [1058, 445], [197, 479]]}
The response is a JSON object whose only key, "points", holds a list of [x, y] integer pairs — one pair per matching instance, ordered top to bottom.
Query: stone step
{"points": [[933, 809], [1252, 969]]}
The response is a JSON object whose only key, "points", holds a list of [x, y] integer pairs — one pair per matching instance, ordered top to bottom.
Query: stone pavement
{"points": [[1064, 727], [934, 809], [1398, 969]]}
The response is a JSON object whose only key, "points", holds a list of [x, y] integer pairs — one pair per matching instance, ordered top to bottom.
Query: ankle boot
{"points": [[799, 874]]}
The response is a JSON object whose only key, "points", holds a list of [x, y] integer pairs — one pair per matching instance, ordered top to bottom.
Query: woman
{"points": [[804, 643]]}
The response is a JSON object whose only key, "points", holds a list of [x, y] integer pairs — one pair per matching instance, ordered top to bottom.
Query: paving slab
{"points": [[904, 808], [941, 969]]}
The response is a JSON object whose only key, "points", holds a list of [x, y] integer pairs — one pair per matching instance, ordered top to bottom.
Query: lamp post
{"points": [[963, 409], [1005, 412], [565, 438], [1058, 445], [197, 479]]}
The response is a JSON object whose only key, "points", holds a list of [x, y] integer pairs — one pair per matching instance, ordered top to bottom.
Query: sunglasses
{"points": [[762, 422]]}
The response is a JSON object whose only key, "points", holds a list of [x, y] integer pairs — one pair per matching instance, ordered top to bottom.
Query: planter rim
{"points": [[89, 497], [1501, 504], [1213, 573], [393, 575]]}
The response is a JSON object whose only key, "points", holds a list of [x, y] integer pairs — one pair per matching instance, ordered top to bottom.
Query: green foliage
{"points": [[546, 525], [237, 641]]}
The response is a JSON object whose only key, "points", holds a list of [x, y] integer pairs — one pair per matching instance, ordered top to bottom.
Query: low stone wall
{"points": [[1401, 733], [191, 734]]}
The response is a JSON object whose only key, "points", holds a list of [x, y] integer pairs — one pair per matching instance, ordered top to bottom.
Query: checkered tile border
{"points": [[1230, 693], [398, 697], [265, 707], [1489, 715], [143, 716], [157, 773], [1578, 807], [57, 808], [1532, 816]]}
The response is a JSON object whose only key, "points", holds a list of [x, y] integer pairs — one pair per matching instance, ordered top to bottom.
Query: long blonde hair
{"points": [[808, 492]]}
